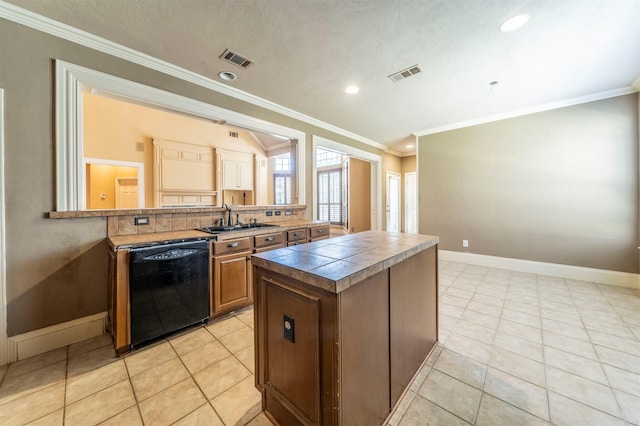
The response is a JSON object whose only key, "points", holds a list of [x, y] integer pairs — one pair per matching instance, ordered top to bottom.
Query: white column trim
{"points": [[72, 80], [4, 342]]}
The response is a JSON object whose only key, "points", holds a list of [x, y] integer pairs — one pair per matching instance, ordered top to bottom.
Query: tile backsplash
{"points": [[162, 222]]}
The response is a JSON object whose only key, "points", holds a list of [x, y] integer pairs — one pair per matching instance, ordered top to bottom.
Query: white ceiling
{"points": [[307, 51]]}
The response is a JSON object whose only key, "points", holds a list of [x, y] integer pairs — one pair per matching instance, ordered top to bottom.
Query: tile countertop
{"points": [[128, 241], [337, 263]]}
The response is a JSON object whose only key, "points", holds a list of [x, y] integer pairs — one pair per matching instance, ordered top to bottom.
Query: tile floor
{"points": [[515, 349]]}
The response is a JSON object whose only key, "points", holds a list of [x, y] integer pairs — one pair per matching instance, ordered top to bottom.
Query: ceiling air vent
{"points": [[235, 59], [401, 75]]}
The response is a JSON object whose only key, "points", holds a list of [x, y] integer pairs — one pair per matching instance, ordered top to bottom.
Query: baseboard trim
{"points": [[602, 276], [56, 336]]}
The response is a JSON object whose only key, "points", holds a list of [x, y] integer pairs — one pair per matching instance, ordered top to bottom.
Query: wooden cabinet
{"points": [[236, 170], [183, 174], [318, 233], [297, 236], [268, 242], [231, 286], [118, 311], [344, 358]]}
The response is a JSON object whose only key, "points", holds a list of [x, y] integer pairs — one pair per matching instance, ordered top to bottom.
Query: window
{"points": [[327, 158], [282, 165], [282, 188], [329, 195]]}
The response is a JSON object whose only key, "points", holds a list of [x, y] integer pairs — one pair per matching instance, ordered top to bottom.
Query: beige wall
{"points": [[112, 130], [558, 186], [57, 268]]}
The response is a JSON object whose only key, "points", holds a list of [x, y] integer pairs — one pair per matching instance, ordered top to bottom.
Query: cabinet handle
{"points": [[320, 231], [296, 234], [269, 239], [233, 245]]}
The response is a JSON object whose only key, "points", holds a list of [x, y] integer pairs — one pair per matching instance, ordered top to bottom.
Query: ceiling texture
{"points": [[305, 53]]}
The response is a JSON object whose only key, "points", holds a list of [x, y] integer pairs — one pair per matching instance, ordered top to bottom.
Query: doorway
{"points": [[111, 184], [370, 184], [393, 202], [410, 203]]}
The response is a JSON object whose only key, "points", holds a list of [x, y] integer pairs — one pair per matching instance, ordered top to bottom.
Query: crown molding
{"points": [[58, 29], [635, 84], [531, 110]]}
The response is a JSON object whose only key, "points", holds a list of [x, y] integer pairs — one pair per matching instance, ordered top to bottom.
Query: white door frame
{"points": [[73, 80], [103, 162], [376, 175], [393, 175], [407, 211], [4, 339]]}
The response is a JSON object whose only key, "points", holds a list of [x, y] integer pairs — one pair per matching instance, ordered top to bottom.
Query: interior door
{"points": [[126, 193], [359, 195], [393, 202], [410, 203]]}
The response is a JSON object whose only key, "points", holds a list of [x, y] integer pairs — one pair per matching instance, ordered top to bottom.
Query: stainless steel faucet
{"points": [[230, 221]]}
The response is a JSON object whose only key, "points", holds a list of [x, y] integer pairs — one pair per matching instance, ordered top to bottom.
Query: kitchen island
{"points": [[342, 325]]}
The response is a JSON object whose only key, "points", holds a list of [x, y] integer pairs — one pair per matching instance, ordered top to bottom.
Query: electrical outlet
{"points": [[269, 213], [278, 213], [141, 220], [465, 243], [289, 328]]}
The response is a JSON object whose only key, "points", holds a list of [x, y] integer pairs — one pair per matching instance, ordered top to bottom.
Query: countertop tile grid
{"points": [[340, 262], [514, 348]]}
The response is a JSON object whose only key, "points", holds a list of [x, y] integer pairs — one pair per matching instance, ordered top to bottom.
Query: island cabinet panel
{"points": [[293, 327], [413, 327], [337, 342], [364, 360], [298, 379]]}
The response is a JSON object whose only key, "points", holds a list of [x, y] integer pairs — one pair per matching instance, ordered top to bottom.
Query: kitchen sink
{"points": [[245, 226]]}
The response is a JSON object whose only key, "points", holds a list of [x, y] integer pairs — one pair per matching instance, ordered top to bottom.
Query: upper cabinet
{"points": [[236, 170], [184, 174]]}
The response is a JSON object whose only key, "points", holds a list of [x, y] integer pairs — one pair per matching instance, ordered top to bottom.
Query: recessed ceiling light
{"points": [[514, 23], [226, 75], [352, 90], [409, 146]]}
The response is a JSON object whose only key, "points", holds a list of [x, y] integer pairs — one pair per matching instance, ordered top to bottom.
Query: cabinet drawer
{"points": [[318, 232], [297, 235], [267, 240], [295, 243], [232, 246]]}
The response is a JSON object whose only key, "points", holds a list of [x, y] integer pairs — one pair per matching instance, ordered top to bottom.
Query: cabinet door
{"points": [[230, 174], [245, 176], [232, 287], [413, 306]]}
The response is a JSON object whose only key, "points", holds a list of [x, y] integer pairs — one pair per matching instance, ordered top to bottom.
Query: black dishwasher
{"points": [[168, 288]]}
